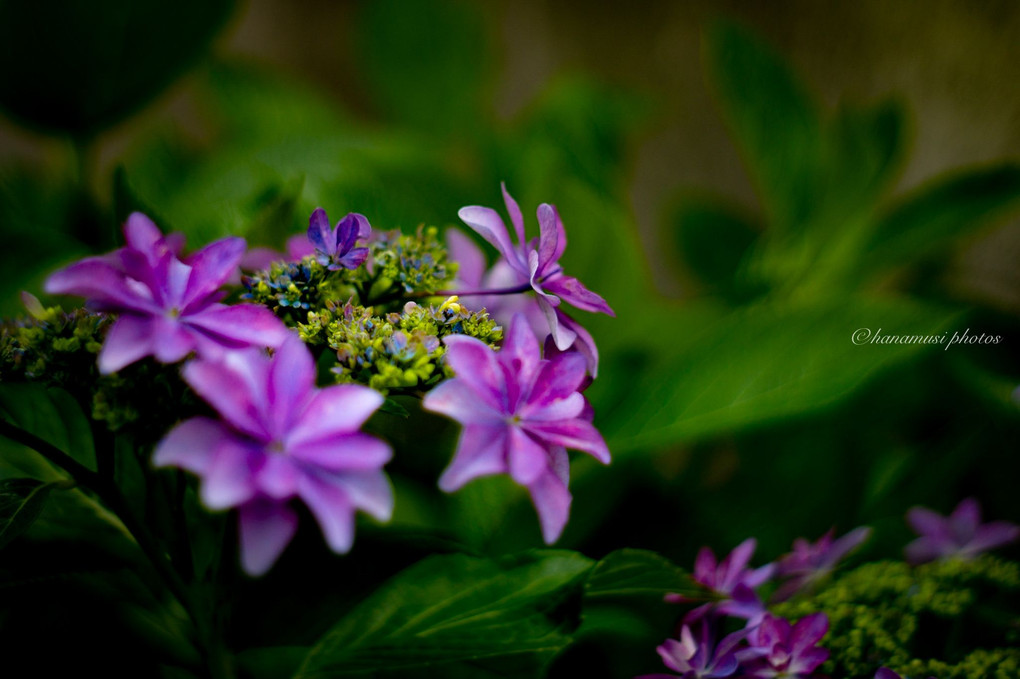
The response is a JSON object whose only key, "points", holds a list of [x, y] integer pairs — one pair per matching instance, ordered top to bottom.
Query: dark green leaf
{"points": [[92, 64], [775, 121], [867, 144], [929, 218], [394, 408], [51, 414], [21, 502], [628, 573], [458, 616]]}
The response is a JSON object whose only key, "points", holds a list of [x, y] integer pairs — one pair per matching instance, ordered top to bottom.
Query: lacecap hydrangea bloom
{"points": [[167, 307], [520, 413], [280, 439], [961, 534]]}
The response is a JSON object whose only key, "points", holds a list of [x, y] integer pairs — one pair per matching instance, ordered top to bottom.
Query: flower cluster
{"points": [[255, 427], [874, 612]]}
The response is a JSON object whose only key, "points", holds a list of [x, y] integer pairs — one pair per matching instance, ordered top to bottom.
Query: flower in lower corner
{"points": [[167, 307], [519, 413], [280, 439], [961, 534], [732, 581], [783, 651], [696, 655]]}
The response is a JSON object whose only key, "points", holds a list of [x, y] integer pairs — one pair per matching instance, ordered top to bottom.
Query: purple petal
{"points": [[516, 218], [489, 225], [347, 231], [141, 233], [320, 233], [549, 246], [299, 247], [469, 257], [258, 259], [353, 259], [211, 267], [100, 283], [573, 292], [236, 327], [562, 335], [128, 340], [170, 340], [584, 342], [520, 356], [474, 362], [558, 378], [291, 383], [233, 389], [458, 401], [569, 408], [338, 410], [573, 434], [190, 445], [346, 452], [480, 452], [527, 458], [278, 477], [228, 480], [370, 492], [552, 502], [332, 509], [964, 520], [926, 522], [266, 529], [991, 535], [844, 545], [923, 550], [736, 561], [705, 566], [757, 576], [808, 631], [674, 653], [808, 661], [886, 673]]}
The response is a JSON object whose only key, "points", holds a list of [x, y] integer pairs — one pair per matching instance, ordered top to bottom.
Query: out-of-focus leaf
{"points": [[426, 63], [92, 64], [774, 120], [866, 147], [948, 207], [714, 240], [763, 363], [51, 414], [21, 502], [628, 573], [458, 616], [271, 663]]}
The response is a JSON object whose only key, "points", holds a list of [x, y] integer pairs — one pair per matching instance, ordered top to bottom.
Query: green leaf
{"points": [[95, 63], [775, 121], [867, 145], [944, 209], [714, 240], [763, 363], [394, 408], [51, 414], [21, 502], [630, 573], [458, 616]]}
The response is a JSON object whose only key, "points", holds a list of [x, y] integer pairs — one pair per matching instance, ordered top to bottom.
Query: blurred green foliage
{"points": [[744, 409]]}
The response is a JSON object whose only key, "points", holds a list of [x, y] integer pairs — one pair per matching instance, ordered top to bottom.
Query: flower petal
{"points": [[514, 210], [489, 225], [347, 231], [141, 233], [320, 233], [553, 239], [469, 257], [211, 267], [99, 282], [573, 292], [237, 327], [562, 335], [128, 340], [584, 343], [476, 364], [558, 378], [291, 384], [233, 388], [458, 401], [334, 411], [573, 434], [190, 445], [344, 452], [480, 452], [526, 457], [228, 480], [370, 492], [552, 502], [332, 509], [266, 529], [808, 631]]}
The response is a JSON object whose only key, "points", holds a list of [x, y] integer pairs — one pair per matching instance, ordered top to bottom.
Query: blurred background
{"points": [[746, 183]]}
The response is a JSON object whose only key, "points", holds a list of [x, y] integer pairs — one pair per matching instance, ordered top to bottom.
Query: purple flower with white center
{"points": [[335, 246], [535, 265], [168, 308], [520, 413], [280, 439], [961, 534], [810, 563], [731, 580], [781, 650], [697, 656]]}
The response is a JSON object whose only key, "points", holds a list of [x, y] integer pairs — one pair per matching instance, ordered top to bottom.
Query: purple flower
{"points": [[335, 246], [257, 259], [535, 264], [167, 307], [520, 413], [281, 438], [961, 534], [809, 563], [731, 580], [779, 649], [701, 657], [886, 673]]}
